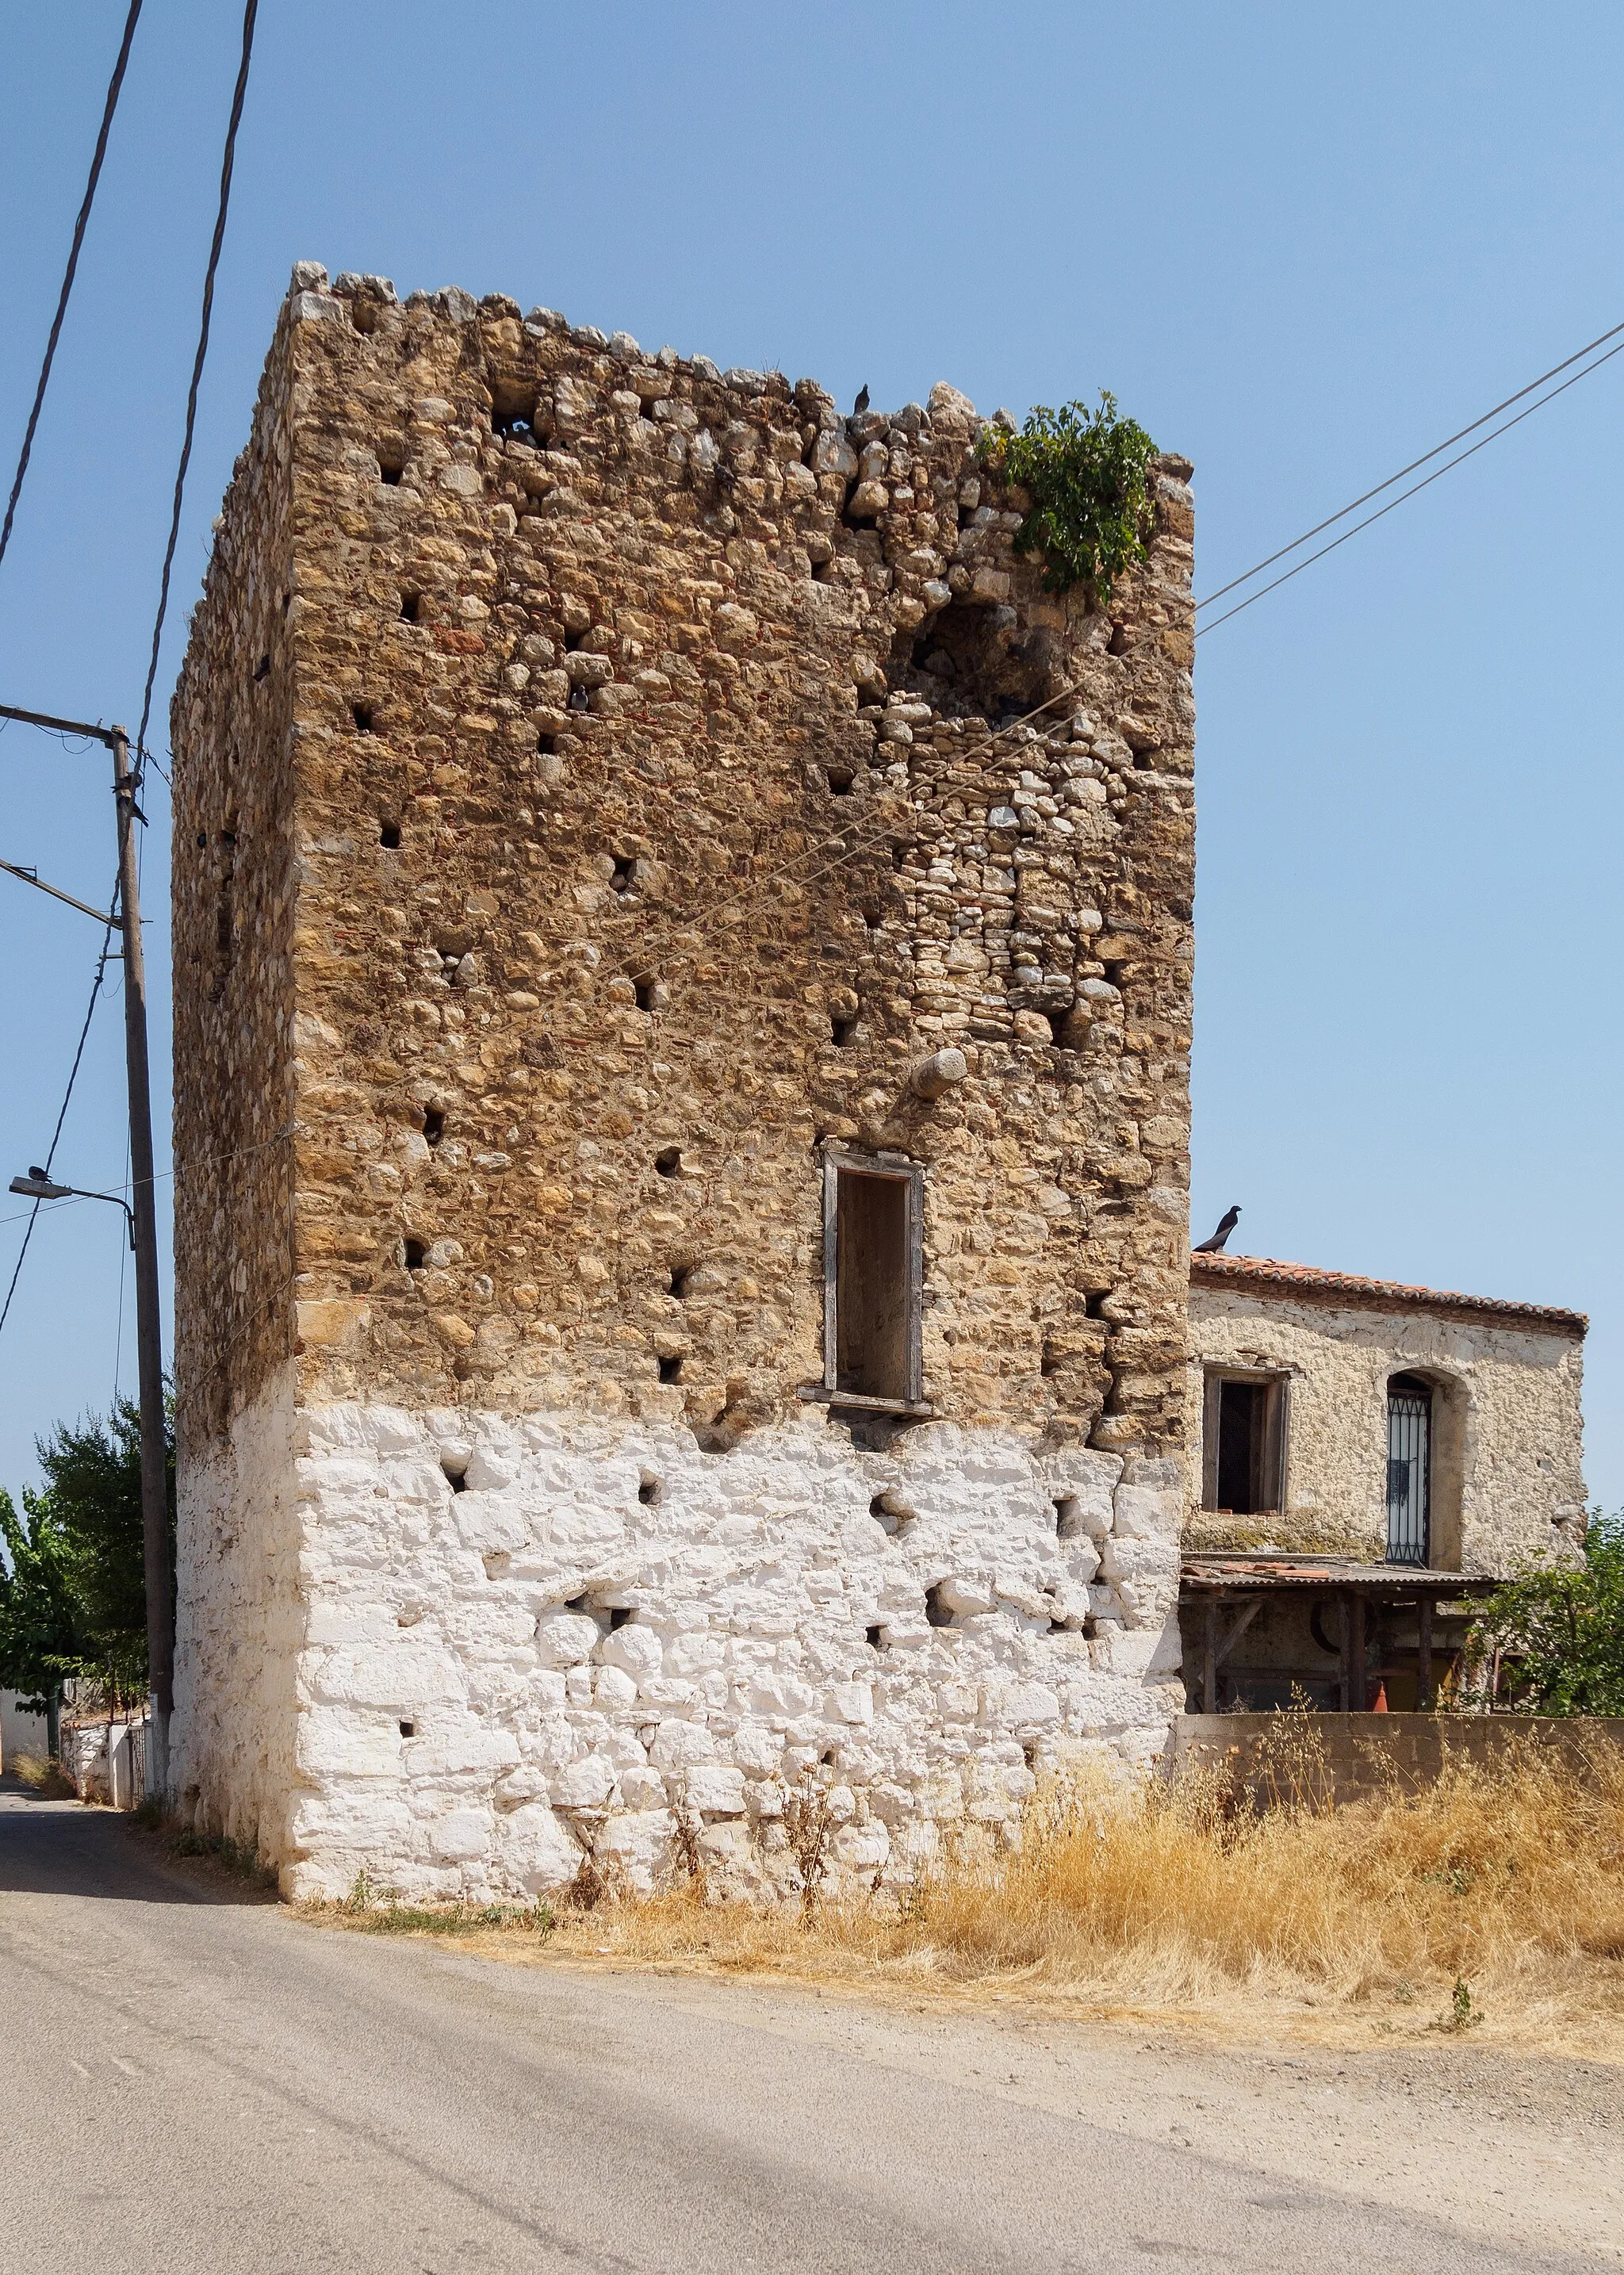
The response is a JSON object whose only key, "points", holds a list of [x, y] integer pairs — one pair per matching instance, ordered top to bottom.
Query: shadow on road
{"points": [[65, 1848]]}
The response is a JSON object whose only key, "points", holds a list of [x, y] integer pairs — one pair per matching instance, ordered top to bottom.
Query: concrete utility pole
{"points": [[148, 1324]]}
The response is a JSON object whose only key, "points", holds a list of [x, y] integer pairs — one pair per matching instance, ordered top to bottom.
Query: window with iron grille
{"points": [[1409, 1462]]}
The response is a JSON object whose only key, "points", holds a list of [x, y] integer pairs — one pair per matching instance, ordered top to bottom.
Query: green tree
{"points": [[73, 1603], [39, 1629], [1560, 1629]]}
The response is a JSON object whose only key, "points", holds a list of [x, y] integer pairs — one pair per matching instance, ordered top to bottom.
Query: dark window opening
{"points": [[513, 408], [392, 462], [410, 605], [572, 640], [262, 670], [363, 715], [545, 745], [840, 779], [388, 836], [625, 871], [873, 915], [1114, 974], [645, 988], [1056, 1024], [842, 1031], [434, 1123], [669, 1164], [417, 1255], [681, 1274], [873, 1295], [1094, 1307], [1050, 1362], [671, 1370], [1243, 1444], [1409, 1450], [455, 1476], [649, 1489], [1067, 1516], [619, 1613], [875, 1638], [408, 1729]]}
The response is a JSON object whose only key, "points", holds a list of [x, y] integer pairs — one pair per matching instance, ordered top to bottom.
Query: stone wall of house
{"points": [[627, 778], [1506, 1431]]}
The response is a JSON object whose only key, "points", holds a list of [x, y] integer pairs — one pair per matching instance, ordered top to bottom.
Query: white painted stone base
{"points": [[239, 1626], [530, 1639]]}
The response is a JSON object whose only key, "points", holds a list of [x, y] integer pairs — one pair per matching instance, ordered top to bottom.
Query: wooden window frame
{"points": [[898, 1169], [1276, 1451]]}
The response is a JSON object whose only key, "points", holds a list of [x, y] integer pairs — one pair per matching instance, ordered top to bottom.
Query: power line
{"points": [[114, 85], [227, 164], [1425, 458], [1427, 480], [95, 989]]}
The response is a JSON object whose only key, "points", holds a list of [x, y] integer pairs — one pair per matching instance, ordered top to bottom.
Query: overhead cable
{"points": [[114, 85], [227, 164], [1425, 458], [1297, 567], [95, 989]]}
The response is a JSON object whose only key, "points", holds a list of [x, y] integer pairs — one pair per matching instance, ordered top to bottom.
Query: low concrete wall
{"points": [[1369, 1753]]}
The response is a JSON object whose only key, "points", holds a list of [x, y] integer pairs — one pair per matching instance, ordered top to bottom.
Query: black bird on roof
{"points": [[861, 404], [1227, 1224]]}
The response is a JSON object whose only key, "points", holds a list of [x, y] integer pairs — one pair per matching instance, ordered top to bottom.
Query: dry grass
{"points": [[46, 1778], [1493, 1892]]}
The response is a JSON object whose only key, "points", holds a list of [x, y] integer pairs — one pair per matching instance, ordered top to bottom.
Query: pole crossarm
{"points": [[106, 734], [102, 916]]}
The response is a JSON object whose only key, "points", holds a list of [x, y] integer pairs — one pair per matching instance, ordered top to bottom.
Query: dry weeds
{"points": [[47, 1779], [1494, 1898]]}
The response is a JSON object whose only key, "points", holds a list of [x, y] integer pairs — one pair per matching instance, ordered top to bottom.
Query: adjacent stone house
{"points": [[682, 1000], [1364, 1458]]}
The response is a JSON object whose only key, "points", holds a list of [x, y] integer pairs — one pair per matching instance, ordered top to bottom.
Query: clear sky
{"points": [[1301, 245]]}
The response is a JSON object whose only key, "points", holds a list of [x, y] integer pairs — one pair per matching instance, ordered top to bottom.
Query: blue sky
{"points": [[1299, 245]]}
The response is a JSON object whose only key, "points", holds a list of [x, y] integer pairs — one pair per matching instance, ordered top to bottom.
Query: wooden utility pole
{"points": [[148, 1317]]}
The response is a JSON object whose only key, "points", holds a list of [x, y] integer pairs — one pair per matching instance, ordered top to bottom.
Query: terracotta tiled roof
{"points": [[1268, 1276]]}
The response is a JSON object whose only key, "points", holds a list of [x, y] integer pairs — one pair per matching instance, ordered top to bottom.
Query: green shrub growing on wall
{"points": [[1087, 474]]}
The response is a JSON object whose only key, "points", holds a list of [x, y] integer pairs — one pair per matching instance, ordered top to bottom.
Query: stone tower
{"points": [[682, 1001]]}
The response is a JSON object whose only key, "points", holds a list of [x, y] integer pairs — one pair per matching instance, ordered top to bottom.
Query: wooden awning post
{"points": [[1209, 1672], [1344, 1675], [1424, 1675], [1357, 1685]]}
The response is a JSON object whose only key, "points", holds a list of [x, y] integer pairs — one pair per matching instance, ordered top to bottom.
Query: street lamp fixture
{"points": [[38, 1186]]}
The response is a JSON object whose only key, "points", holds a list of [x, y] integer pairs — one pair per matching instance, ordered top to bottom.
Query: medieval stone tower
{"points": [[682, 1000]]}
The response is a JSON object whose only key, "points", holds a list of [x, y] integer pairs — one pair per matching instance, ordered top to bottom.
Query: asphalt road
{"points": [[189, 2083]]}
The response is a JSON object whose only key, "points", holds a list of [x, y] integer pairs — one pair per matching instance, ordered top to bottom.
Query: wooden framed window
{"points": [[872, 1278], [1243, 1442]]}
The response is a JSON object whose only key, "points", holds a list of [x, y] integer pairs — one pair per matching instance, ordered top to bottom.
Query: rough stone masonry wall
{"points": [[648, 826], [1506, 1429], [239, 1613]]}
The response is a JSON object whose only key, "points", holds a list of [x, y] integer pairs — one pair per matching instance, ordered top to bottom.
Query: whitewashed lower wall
{"points": [[604, 1620], [240, 1622]]}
